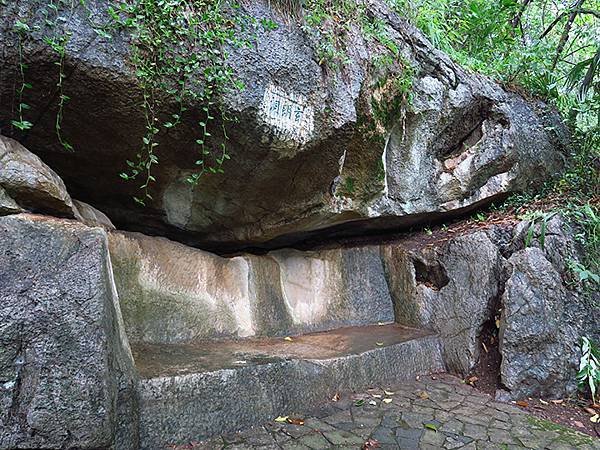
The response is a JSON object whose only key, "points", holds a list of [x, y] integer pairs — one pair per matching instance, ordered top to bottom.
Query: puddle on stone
{"points": [[156, 360]]}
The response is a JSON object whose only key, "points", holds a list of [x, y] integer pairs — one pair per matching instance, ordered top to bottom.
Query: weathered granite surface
{"points": [[352, 163], [27, 184], [458, 282], [451, 288], [173, 293], [65, 362], [66, 371]]}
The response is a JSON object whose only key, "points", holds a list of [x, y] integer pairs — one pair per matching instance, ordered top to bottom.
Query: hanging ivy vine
{"points": [[178, 49], [178, 56]]}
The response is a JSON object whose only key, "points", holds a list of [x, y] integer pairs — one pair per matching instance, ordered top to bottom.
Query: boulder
{"points": [[360, 158], [27, 183], [7, 204], [91, 216], [464, 283], [451, 287], [545, 313], [537, 342], [66, 371]]}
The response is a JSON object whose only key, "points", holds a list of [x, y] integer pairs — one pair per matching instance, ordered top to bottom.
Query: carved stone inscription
{"points": [[289, 113]]}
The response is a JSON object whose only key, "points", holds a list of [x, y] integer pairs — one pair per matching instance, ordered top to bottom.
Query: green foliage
{"points": [[331, 20], [22, 29], [55, 36], [178, 48], [544, 48], [549, 49], [178, 54], [392, 95], [348, 186], [587, 217], [538, 224], [588, 376]]}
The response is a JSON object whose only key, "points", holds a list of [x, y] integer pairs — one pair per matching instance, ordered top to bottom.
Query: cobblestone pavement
{"points": [[430, 414]]}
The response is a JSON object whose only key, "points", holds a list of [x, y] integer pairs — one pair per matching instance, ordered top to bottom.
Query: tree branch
{"points": [[565, 34]]}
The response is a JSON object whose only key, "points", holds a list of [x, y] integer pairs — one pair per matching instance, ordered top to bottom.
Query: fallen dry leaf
{"points": [[287, 338], [379, 343], [472, 380], [388, 392], [376, 395], [423, 395], [336, 397], [387, 400], [372, 402], [544, 402], [557, 402], [522, 404], [589, 410], [595, 418], [281, 419], [295, 421], [578, 424], [370, 443]]}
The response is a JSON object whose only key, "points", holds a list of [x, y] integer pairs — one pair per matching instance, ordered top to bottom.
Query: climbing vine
{"points": [[22, 29], [57, 40], [177, 50]]}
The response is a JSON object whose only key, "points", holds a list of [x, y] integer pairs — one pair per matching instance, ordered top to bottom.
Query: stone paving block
{"points": [[500, 415], [341, 417], [416, 420], [476, 420], [495, 423], [318, 425], [453, 426], [405, 429], [477, 432], [384, 435], [500, 436], [341, 437], [408, 438], [314, 441], [294, 445]]}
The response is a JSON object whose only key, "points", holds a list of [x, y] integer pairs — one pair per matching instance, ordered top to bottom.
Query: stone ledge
{"points": [[177, 409]]}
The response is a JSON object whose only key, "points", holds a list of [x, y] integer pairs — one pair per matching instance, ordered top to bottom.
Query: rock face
{"points": [[351, 163], [27, 184], [458, 285], [172, 293], [66, 371], [69, 380]]}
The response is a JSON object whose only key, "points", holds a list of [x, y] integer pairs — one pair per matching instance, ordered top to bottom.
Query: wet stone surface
{"points": [[427, 414]]}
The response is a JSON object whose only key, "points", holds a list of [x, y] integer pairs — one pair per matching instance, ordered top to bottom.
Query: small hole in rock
{"points": [[431, 275]]}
